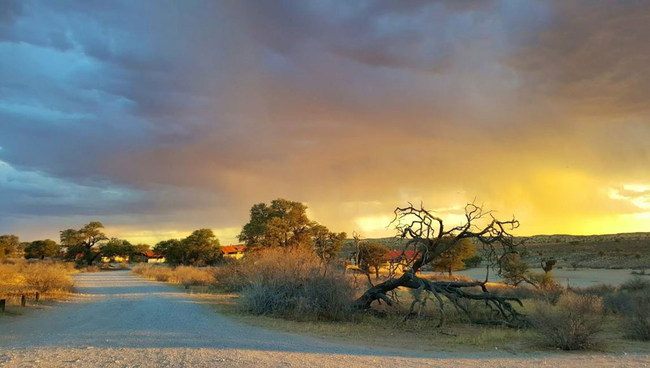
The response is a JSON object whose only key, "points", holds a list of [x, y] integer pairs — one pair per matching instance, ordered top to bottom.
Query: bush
{"points": [[473, 261], [90, 269], [234, 275], [45, 277], [292, 283], [635, 284], [617, 302], [637, 317], [572, 324]]}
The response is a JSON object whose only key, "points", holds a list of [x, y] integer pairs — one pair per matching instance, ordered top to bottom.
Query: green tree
{"points": [[283, 223], [84, 241], [8, 245], [327, 245], [116, 248], [200, 248], [41, 249], [372, 255], [452, 259]]}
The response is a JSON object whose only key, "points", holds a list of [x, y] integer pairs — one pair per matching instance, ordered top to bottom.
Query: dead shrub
{"points": [[46, 277], [292, 283], [572, 324]]}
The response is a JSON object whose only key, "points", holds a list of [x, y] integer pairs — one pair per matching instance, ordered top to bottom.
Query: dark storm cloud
{"points": [[205, 107]]}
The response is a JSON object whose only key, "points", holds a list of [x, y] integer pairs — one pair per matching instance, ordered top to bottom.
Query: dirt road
{"points": [[124, 321]]}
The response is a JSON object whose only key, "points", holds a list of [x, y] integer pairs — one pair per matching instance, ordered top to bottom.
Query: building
{"points": [[233, 251], [152, 257]]}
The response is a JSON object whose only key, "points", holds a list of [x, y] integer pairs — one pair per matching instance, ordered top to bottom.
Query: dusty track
{"points": [[122, 320]]}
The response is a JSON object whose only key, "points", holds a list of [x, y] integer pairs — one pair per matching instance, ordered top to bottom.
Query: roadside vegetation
{"points": [[49, 280], [285, 282]]}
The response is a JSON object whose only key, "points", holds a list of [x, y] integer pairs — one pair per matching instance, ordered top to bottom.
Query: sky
{"points": [[161, 117]]}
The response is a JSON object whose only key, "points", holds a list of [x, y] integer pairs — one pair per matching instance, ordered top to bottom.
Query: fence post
{"points": [[37, 296], [23, 300], [2, 305]]}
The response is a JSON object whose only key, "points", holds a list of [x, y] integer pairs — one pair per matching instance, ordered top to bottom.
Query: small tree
{"points": [[8, 245], [327, 245], [201, 247], [116, 248], [41, 249], [372, 255], [452, 260], [514, 271]]}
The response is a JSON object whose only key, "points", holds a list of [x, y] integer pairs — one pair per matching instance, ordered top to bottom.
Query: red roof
{"points": [[233, 249], [151, 254], [395, 255]]}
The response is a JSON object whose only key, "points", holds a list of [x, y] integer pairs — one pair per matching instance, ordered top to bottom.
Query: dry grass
{"points": [[186, 275], [19, 277]]}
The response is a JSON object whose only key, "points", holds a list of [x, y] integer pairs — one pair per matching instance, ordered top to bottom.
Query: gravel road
{"points": [[123, 321]]}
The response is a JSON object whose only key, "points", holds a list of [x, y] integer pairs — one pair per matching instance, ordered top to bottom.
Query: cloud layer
{"points": [[161, 117]]}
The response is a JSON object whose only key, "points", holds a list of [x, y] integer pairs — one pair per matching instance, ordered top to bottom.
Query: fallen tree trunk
{"points": [[427, 236]]}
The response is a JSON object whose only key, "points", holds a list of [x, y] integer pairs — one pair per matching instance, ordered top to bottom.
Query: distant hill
{"points": [[563, 238], [543, 239], [625, 250]]}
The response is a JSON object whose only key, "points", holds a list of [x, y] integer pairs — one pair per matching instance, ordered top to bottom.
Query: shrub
{"points": [[473, 261], [90, 269], [234, 275], [45, 277], [292, 283], [635, 284], [598, 290], [617, 302], [637, 317], [572, 324]]}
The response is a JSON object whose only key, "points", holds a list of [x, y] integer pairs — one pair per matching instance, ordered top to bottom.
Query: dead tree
{"points": [[426, 234]]}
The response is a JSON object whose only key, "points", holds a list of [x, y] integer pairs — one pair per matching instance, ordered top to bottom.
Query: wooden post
{"points": [[38, 295], [23, 300], [2, 305]]}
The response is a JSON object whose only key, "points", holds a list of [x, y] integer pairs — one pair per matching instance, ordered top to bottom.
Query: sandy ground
{"points": [[568, 277], [124, 321]]}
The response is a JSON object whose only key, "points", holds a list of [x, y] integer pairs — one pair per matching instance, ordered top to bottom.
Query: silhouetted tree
{"points": [[426, 234], [83, 242], [41, 249]]}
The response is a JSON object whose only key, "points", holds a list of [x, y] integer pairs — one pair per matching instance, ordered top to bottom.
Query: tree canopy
{"points": [[284, 223], [83, 241], [117, 248], [200, 248], [41, 249], [372, 255], [452, 259]]}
